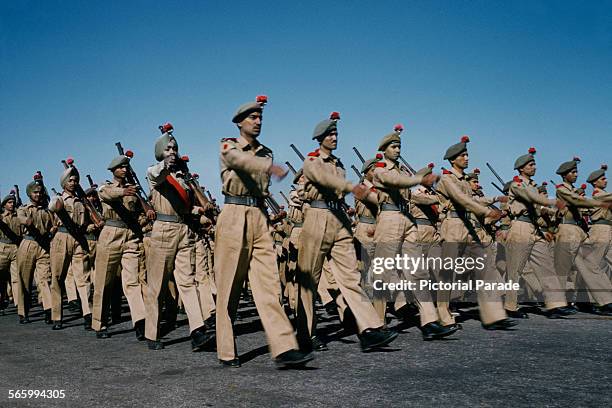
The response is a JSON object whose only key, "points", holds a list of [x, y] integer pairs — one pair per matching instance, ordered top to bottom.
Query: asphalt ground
{"points": [[543, 362]]}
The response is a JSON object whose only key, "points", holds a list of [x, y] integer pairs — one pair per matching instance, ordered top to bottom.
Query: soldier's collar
{"points": [[244, 144], [326, 157], [457, 174], [526, 179]]}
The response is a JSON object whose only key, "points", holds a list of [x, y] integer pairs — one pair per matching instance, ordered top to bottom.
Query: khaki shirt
{"points": [[244, 168], [325, 177], [393, 184], [455, 193], [567, 193], [111, 194], [523, 195], [164, 196], [425, 204], [369, 206], [76, 211], [295, 212], [601, 213], [43, 219], [11, 220]]}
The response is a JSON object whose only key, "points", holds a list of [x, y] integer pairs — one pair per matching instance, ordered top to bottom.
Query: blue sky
{"points": [[76, 76]]}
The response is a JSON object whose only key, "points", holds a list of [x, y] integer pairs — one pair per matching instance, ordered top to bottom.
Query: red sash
{"points": [[183, 194]]}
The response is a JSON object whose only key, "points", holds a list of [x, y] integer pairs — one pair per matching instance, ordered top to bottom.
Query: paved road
{"points": [[543, 363]]}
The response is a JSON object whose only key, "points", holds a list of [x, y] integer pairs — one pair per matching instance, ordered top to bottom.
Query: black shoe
{"points": [[74, 306], [331, 308], [569, 310], [605, 310], [559, 312], [517, 314], [48, 316], [24, 320], [87, 322], [211, 322], [503, 324], [57, 325], [139, 328], [434, 330], [102, 334], [373, 338], [202, 339], [155, 344], [318, 344], [293, 358], [234, 363]]}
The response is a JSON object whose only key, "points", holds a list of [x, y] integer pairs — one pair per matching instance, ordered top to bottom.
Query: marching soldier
{"points": [[366, 212], [601, 220], [397, 230], [327, 234], [10, 237], [461, 240], [527, 242], [172, 243], [120, 246], [69, 247], [574, 248], [33, 259], [204, 275]]}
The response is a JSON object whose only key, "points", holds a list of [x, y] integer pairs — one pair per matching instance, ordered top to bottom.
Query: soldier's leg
{"points": [[61, 254], [517, 255], [108, 258], [542, 261], [26, 264], [184, 276], [81, 277], [595, 280], [15, 285], [70, 285], [132, 288], [205, 297], [423, 297]]}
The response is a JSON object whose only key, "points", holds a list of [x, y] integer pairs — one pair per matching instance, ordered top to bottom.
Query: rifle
{"points": [[295, 149], [359, 155], [407, 165], [291, 168], [357, 172], [495, 174], [132, 178], [91, 182], [193, 183], [498, 188], [286, 199], [18, 202], [94, 214]]}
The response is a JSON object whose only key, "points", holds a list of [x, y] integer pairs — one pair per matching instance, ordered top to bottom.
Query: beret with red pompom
{"points": [[246, 109], [334, 115], [166, 128], [323, 128], [398, 128], [393, 137], [456, 149], [525, 159], [119, 161], [368, 164], [568, 166], [426, 170], [597, 174], [473, 175], [37, 182], [7, 198]]}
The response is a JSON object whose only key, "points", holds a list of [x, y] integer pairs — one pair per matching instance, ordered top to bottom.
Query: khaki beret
{"points": [[245, 110], [323, 128], [393, 137], [160, 145], [456, 149], [524, 159], [119, 161], [368, 164], [568, 166], [425, 170], [70, 171], [298, 174], [597, 174], [473, 175], [31, 186], [542, 188], [10, 196]]}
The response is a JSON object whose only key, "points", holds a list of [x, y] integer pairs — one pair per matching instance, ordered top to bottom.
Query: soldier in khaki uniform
{"points": [[366, 212], [295, 215], [601, 220], [397, 230], [327, 234], [10, 237], [459, 238], [243, 242], [528, 243], [172, 245], [120, 246], [69, 247], [573, 247], [33, 259], [204, 276]]}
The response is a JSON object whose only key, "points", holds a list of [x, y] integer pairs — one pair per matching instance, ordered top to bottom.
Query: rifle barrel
{"points": [[295, 149]]}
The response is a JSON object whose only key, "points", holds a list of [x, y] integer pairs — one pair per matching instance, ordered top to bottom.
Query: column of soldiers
{"points": [[175, 246]]}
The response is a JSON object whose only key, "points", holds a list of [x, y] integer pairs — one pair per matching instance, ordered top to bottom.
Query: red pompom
{"points": [[261, 99], [334, 115], [166, 127], [399, 127], [465, 139], [532, 150], [129, 154], [379, 156], [185, 159], [577, 159], [381, 164], [431, 165], [604, 167], [476, 170], [195, 175], [37, 176], [544, 183], [559, 185], [583, 186]]}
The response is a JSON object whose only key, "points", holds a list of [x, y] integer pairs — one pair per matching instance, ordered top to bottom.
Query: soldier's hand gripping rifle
{"points": [[132, 178], [201, 199], [215, 210], [94, 214]]}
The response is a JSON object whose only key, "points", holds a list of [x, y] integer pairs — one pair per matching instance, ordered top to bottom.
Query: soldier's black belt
{"points": [[249, 201], [328, 205], [392, 207], [457, 214], [169, 218], [524, 218], [367, 220], [423, 221], [602, 222], [116, 223], [297, 224], [504, 227], [63, 229], [29, 237], [91, 237], [6, 241], [278, 242]]}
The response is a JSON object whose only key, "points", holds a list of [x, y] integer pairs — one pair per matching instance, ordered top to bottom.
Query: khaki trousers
{"points": [[327, 234], [601, 236], [458, 242], [523, 246], [244, 247], [118, 248], [574, 248], [172, 250], [66, 251], [33, 261], [8, 268], [203, 279], [70, 285]]}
